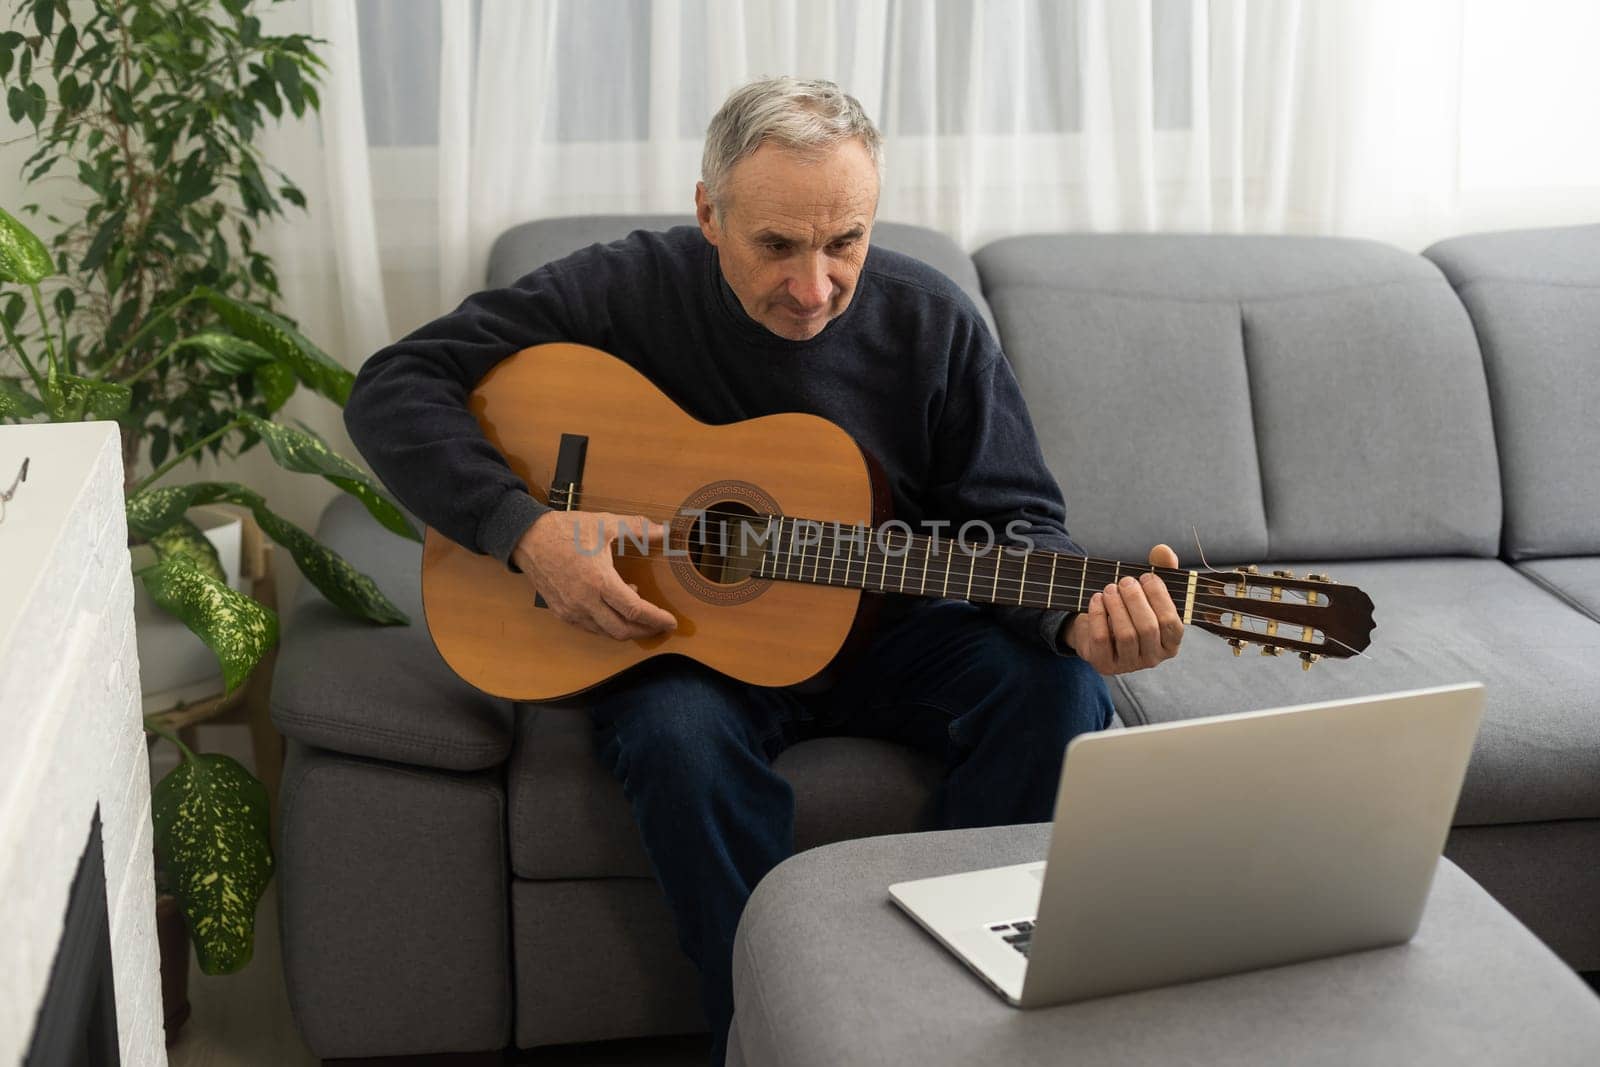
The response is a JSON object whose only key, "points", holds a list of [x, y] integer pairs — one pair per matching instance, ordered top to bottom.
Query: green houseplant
{"points": [[155, 308]]}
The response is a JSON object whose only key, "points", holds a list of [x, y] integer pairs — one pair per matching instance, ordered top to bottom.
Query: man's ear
{"points": [[706, 213]]}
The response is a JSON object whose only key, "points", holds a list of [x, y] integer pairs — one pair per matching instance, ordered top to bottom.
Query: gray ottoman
{"points": [[827, 971]]}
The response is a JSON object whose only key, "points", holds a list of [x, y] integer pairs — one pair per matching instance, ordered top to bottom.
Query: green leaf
{"points": [[44, 13], [64, 46], [96, 254], [23, 258], [278, 335], [228, 354], [277, 384], [70, 398], [16, 402], [306, 453], [155, 510], [184, 539], [344, 587], [237, 629], [212, 828]]}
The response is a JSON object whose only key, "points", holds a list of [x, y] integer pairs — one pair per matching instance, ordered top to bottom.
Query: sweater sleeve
{"points": [[408, 410], [989, 467]]}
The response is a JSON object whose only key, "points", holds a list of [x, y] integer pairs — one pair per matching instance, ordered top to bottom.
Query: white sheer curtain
{"points": [[450, 120]]}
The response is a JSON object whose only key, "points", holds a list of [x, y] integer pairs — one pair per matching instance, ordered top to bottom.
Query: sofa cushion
{"points": [[533, 244], [1534, 297], [1286, 396], [1575, 580], [1439, 621], [380, 691], [569, 818]]}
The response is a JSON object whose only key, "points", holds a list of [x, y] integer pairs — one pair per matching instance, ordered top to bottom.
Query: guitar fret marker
{"points": [[926, 552], [948, 556], [1082, 578], [1022, 583], [1050, 590]]}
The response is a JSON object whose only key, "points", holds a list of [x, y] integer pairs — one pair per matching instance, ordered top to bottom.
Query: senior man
{"points": [[777, 302]]}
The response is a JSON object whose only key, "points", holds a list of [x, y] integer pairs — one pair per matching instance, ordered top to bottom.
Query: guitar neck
{"points": [[886, 560]]}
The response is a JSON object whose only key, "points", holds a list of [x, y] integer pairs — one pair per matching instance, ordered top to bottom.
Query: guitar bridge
{"points": [[567, 484]]}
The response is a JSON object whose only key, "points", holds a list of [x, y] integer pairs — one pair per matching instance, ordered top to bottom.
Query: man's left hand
{"points": [[1130, 625]]}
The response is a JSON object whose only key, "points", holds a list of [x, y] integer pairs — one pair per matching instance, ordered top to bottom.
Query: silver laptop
{"points": [[1193, 849]]}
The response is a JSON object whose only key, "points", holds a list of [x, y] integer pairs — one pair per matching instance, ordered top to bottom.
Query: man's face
{"points": [[792, 233]]}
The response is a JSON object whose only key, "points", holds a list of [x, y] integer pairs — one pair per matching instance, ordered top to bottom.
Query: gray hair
{"points": [[807, 116]]}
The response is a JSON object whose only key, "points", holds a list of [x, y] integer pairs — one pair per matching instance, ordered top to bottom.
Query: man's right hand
{"points": [[582, 585]]}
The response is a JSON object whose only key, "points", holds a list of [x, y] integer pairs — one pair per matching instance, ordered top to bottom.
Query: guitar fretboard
{"points": [[885, 560]]}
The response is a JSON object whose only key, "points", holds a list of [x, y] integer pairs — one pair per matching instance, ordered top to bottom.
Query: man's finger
{"points": [[1163, 556], [1155, 590], [642, 617], [1144, 621], [609, 623], [1124, 639], [1099, 652]]}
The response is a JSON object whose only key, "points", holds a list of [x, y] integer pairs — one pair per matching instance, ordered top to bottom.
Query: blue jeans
{"points": [[694, 750]]}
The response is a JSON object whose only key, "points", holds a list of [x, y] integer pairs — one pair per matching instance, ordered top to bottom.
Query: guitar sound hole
{"points": [[726, 544]]}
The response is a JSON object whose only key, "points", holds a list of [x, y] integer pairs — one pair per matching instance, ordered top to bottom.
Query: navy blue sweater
{"points": [[910, 370]]}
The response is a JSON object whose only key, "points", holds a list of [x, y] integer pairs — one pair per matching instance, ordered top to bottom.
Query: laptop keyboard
{"points": [[1019, 935]]}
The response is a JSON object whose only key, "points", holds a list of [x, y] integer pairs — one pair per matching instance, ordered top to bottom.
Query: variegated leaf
{"points": [[23, 257], [278, 336], [227, 354], [276, 384], [71, 398], [16, 402], [306, 453], [155, 510], [152, 511], [184, 538], [344, 586], [237, 629], [212, 831]]}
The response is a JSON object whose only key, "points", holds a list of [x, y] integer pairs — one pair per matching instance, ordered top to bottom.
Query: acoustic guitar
{"points": [[777, 526]]}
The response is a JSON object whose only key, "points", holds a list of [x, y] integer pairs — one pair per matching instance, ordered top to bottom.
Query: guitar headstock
{"points": [[1314, 616]]}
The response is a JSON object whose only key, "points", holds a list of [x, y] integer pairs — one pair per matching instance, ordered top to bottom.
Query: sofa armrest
{"points": [[380, 691]]}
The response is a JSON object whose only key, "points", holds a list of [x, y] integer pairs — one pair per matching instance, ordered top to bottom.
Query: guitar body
{"points": [[646, 456]]}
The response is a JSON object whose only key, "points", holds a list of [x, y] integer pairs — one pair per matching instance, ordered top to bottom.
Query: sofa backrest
{"points": [[533, 244], [1534, 298], [1290, 397]]}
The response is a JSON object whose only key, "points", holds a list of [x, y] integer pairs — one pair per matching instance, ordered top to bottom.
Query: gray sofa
{"points": [[459, 874]]}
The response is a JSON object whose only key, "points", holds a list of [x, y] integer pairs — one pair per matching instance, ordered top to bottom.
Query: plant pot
{"points": [[175, 666], [173, 938]]}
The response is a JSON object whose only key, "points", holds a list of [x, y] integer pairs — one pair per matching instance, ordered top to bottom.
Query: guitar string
{"points": [[1116, 566], [1167, 574], [1011, 585], [1020, 585], [1287, 640]]}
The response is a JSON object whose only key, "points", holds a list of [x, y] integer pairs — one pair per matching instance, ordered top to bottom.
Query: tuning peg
{"points": [[1251, 569], [1283, 574], [1318, 578], [1238, 646], [1271, 650], [1307, 659]]}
